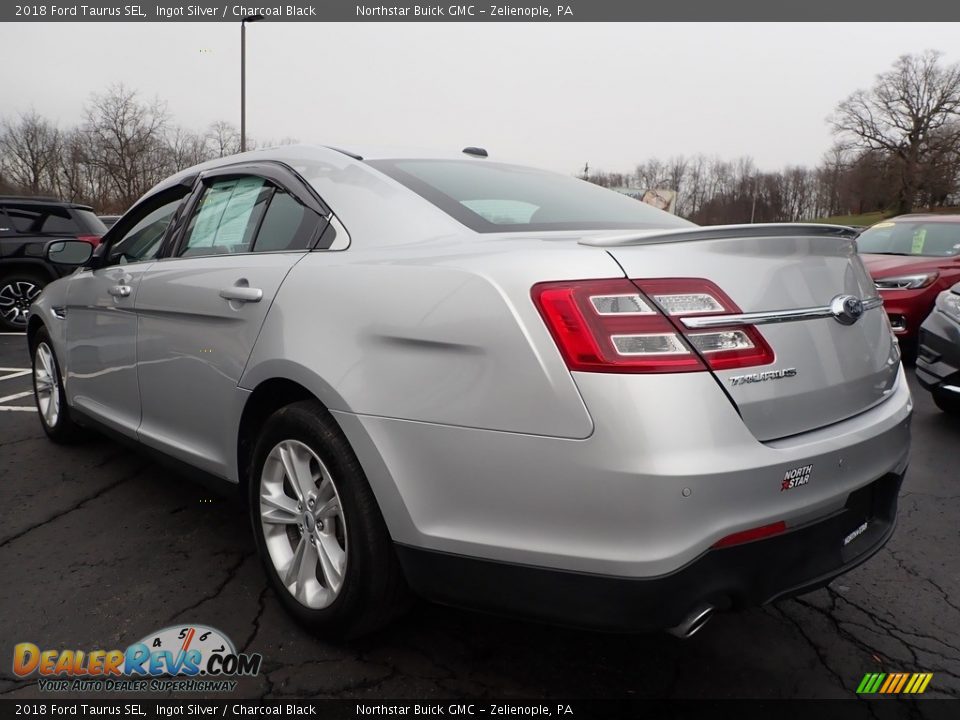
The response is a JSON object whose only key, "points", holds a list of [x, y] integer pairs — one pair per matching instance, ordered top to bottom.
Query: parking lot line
{"points": [[14, 373], [8, 398], [17, 408]]}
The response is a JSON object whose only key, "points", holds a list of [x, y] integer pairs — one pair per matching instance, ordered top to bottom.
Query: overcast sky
{"points": [[552, 95]]}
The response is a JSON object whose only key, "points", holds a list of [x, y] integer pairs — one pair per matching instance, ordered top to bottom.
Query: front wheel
{"points": [[48, 392], [318, 529]]}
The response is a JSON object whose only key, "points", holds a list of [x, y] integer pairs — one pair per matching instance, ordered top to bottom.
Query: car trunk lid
{"points": [[832, 361]]}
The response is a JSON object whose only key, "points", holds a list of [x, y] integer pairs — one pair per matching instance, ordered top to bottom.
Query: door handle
{"points": [[120, 291], [239, 293]]}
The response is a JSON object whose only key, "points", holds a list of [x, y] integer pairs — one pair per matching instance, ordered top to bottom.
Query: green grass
{"points": [[865, 219]]}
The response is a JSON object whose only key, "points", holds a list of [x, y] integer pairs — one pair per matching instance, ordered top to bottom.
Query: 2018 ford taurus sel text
{"points": [[489, 386]]}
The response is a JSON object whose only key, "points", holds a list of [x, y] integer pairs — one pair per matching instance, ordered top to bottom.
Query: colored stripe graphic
{"points": [[894, 683]]}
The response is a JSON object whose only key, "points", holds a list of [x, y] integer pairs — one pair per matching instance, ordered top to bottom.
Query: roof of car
{"points": [[41, 200]]}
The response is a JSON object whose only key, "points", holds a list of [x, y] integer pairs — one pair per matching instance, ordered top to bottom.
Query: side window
{"points": [[226, 219], [287, 225], [142, 241]]}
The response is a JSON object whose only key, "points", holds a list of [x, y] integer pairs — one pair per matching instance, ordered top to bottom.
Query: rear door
{"points": [[200, 309], [833, 353]]}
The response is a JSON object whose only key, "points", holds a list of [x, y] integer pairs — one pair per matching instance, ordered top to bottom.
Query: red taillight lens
{"points": [[92, 239], [608, 326], [636, 326], [723, 348], [751, 535]]}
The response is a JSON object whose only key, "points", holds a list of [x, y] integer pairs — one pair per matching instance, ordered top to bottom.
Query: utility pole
{"points": [[243, 78]]}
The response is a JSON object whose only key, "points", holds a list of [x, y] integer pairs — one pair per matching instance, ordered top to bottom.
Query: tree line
{"points": [[123, 146], [897, 148]]}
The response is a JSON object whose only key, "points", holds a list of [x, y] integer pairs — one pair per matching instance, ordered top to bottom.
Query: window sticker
{"points": [[918, 239]]}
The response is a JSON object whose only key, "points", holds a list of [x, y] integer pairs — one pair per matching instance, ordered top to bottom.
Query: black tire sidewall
{"points": [[313, 427]]}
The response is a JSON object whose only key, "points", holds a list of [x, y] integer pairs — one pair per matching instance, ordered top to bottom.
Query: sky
{"points": [[550, 95]]}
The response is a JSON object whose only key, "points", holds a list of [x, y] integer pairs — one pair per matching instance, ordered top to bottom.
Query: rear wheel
{"points": [[17, 291], [48, 392], [947, 402], [319, 531]]}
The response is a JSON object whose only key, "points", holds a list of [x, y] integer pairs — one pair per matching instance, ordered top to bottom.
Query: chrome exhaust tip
{"points": [[693, 623]]}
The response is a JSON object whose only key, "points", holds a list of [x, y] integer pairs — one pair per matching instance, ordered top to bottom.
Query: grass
{"points": [[870, 218], [865, 219]]}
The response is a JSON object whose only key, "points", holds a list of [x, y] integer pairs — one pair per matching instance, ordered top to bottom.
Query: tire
{"points": [[17, 291], [48, 392], [947, 402], [349, 581]]}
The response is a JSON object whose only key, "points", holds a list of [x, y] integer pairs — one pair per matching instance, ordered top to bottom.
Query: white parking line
{"points": [[19, 334], [14, 373], [8, 398], [17, 408]]}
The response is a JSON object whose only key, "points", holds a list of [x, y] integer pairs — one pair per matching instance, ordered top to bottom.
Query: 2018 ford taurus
{"points": [[490, 385]]}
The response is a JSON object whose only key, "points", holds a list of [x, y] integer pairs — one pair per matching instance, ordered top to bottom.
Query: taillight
{"points": [[92, 239], [636, 326]]}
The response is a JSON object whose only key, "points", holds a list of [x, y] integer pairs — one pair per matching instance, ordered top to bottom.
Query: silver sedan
{"points": [[489, 385]]}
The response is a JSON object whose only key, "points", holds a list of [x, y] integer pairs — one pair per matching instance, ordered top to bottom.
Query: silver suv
{"points": [[489, 385]]}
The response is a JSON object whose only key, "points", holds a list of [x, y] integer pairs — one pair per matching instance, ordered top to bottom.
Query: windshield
{"points": [[492, 197], [903, 237]]}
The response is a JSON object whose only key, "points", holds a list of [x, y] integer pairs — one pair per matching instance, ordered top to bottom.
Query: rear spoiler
{"points": [[721, 232]]}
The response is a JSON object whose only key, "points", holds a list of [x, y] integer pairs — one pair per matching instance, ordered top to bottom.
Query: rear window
{"points": [[493, 197], [93, 224], [933, 239]]}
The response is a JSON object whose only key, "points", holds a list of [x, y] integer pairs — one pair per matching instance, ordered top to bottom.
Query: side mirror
{"points": [[68, 252]]}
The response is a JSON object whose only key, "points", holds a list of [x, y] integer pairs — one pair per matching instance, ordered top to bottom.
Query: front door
{"points": [[101, 362]]}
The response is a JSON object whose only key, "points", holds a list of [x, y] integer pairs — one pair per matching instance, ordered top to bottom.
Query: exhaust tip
{"points": [[693, 623]]}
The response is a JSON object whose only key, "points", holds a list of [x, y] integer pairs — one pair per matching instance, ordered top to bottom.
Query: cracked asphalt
{"points": [[100, 546]]}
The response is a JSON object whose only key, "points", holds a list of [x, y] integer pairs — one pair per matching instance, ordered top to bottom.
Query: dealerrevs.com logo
{"points": [[193, 658]]}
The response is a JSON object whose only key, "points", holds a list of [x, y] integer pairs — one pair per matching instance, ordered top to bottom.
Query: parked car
{"points": [[109, 220], [27, 224], [912, 258], [938, 359], [490, 385]]}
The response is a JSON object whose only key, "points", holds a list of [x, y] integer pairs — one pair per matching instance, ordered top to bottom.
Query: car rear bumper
{"points": [[938, 355], [669, 470], [754, 573]]}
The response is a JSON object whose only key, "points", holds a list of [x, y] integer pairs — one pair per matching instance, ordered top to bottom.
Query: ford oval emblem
{"points": [[846, 309]]}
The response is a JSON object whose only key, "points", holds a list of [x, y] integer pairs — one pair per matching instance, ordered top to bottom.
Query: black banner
{"points": [[856, 11], [140, 709]]}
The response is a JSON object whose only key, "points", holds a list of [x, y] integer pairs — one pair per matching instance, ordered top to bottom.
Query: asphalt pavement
{"points": [[99, 546]]}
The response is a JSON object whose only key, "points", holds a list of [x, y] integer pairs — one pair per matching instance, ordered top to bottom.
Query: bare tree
{"points": [[907, 114], [223, 139], [129, 142], [29, 152]]}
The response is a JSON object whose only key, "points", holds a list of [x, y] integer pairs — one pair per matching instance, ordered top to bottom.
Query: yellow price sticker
{"points": [[918, 239]]}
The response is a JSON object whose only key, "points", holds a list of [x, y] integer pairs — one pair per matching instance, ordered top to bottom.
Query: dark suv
{"points": [[27, 224]]}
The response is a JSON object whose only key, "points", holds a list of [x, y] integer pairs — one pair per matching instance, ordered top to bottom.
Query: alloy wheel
{"points": [[15, 299], [46, 383], [303, 524]]}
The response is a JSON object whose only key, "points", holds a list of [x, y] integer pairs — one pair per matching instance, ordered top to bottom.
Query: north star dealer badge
{"points": [[796, 477]]}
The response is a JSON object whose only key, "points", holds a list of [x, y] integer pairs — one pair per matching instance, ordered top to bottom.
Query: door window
{"points": [[227, 217], [287, 225], [142, 241]]}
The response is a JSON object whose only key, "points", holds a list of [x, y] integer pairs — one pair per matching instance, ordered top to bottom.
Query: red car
{"points": [[912, 259]]}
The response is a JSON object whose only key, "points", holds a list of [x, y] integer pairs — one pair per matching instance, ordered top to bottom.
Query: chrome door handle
{"points": [[120, 291], [238, 293]]}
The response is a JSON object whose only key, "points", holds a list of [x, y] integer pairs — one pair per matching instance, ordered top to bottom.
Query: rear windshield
{"points": [[492, 197], [94, 225], [934, 239]]}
